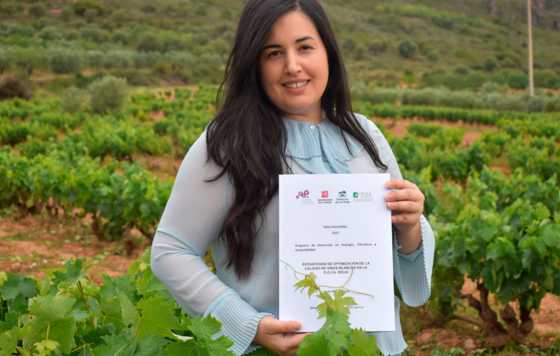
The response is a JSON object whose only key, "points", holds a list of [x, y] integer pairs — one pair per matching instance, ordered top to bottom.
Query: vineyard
{"points": [[493, 201]]}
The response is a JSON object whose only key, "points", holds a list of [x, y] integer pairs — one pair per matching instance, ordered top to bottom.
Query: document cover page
{"points": [[337, 227]]}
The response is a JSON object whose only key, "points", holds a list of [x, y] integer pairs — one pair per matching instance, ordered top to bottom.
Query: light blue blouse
{"points": [[195, 211]]}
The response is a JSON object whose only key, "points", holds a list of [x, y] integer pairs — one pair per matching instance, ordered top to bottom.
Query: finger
{"points": [[399, 184], [405, 194], [399, 207], [408, 219], [280, 326], [293, 340]]}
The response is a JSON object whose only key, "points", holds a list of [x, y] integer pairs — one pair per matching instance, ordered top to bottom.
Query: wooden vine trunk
{"points": [[515, 328]]}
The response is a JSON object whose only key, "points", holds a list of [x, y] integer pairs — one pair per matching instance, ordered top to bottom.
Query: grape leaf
{"points": [[73, 272], [309, 283], [17, 285], [51, 308], [128, 310], [157, 317], [204, 328], [61, 331], [8, 341], [316, 344], [121, 345], [362, 345], [151, 346], [46, 347], [185, 348]]}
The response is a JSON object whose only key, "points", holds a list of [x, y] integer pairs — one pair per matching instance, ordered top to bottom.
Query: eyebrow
{"points": [[301, 39]]}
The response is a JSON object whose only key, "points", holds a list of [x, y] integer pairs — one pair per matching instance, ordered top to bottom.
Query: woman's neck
{"points": [[311, 118]]}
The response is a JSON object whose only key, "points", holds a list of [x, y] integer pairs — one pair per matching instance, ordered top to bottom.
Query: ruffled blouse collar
{"points": [[319, 148]]}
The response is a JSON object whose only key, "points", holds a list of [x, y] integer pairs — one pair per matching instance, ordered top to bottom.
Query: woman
{"points": [[286, 108]]}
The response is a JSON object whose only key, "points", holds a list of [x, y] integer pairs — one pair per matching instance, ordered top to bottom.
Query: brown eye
{"points": [[273, 54]]}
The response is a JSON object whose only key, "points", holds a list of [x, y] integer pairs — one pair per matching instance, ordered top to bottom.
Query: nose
{"points": [[292, 65]]}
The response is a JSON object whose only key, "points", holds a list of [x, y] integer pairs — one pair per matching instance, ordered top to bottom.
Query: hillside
{"points": [[456, 43]]}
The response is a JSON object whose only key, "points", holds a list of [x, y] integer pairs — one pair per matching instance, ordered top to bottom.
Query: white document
{"points": [[338, 227]]}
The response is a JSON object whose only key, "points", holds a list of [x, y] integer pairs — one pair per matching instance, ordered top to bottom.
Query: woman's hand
{"points": [[406, 203], [279, 336]]}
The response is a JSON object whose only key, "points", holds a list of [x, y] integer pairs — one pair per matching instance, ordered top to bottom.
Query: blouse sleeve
{"points": [[191, 220], [412, 272]]}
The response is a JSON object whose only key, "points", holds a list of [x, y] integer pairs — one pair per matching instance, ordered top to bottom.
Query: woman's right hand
{"points": [[279, 336]]}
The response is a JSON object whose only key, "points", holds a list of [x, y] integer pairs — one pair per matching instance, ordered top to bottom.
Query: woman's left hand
{"points": [[406, 203]]}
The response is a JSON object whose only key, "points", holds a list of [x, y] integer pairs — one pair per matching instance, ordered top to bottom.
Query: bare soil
{"points": [[33, 244]]}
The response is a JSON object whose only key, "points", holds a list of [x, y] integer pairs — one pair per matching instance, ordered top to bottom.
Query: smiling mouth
{"points": [[295, 85]]}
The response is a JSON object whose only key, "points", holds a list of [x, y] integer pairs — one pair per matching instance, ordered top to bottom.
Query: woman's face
{"points": [[294, 67]]}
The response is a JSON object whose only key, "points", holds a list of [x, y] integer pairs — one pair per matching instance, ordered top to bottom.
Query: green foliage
{"points": [[81, 7], [37, 10], [160, 28], [407, 49], [65, 61], [108, 94], [72, 100], [509, 236], [68, 312], [335, 337]]}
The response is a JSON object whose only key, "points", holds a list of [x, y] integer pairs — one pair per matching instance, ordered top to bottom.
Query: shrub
{"points": [[81, 6], [9, 8], [37, 10], [443, 22], [51, 33], [94, 34], [120, 36], [149, 42], [377, 47], [407, 49], [27, 59], [94, 59], [117, 59], [65, 61], [489, 65], [136, 77], [547, 79], [15, 87], [492, 87], [108, 94], [382, 96], [460, 99], [72, 100], [536, 104], [552, 104]]}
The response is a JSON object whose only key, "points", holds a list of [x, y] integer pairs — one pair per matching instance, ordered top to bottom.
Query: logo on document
{"points": [[303, 194], [362, 196], [341, 197], [324, 198]]}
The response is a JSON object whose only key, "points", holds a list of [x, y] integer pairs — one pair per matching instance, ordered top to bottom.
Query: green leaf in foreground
{"points": [[157, 317], [51, 320], [336, 337], [8, 341], [317, 344], [362, 345]]}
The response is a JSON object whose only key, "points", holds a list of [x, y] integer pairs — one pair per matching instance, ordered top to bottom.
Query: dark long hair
{"points": [[247, 138]]}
